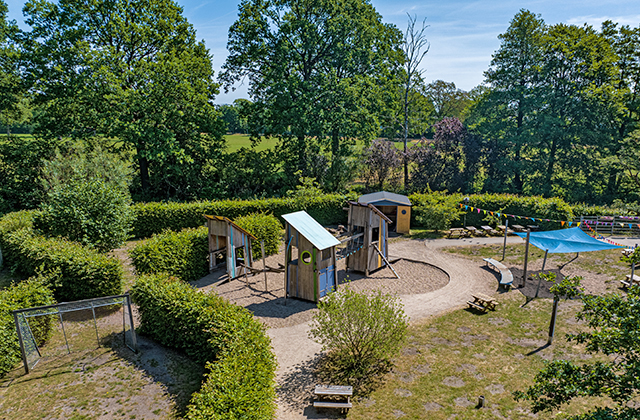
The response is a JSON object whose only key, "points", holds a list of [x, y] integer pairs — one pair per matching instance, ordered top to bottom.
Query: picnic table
{"points": [[518, 228], [501, 229], [489, 230], [475, 231], [461, 232], [627, 251], [630, 282], [482, 302], [334, 391]]}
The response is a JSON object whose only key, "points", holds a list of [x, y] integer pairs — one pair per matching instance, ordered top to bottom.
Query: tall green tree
{"points": [[316, 69], [133, 71], [10, 80], [447, 99], [503, 115], [613, 331]]}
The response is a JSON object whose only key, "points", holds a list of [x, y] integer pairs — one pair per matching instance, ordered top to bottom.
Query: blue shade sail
{"points": [[566, 241]]}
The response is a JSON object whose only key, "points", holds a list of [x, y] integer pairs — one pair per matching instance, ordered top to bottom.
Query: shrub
{"points": [[537, 207], [437, 210], [93, 213], [153, 218], [265, 227], [182, 254], [84, 272], [26, 294], [360, 332], [233, 345]]}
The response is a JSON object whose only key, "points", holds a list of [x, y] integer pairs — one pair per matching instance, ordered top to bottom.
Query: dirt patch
{"points": [[453, 381], [432, 406]]}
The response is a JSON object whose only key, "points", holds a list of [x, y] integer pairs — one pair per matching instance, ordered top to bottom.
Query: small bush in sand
{"points": [[361, 333]]}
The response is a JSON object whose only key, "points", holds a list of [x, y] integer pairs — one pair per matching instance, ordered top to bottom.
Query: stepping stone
{"points": [[500, 322], [464, 329], [440, 340], [526, 342], [410, 351], [479, 356], [519, 356], [467, 367], [422, 368], [405, 377], [453, 381], [495, 389], [401, 392], [368, 402], [463, 402], [432, 406], [398, 413]]}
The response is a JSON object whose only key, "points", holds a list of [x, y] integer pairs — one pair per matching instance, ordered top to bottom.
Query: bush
{"points": [[537, 207], [436, 211], [93, 213], [153, 218], [265, 227], [182, 254], [84, 272], [26, 294], [360, 332], [233, 345]]}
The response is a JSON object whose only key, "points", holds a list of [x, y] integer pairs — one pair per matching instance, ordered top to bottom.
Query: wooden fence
{"points": [[610, 225]]}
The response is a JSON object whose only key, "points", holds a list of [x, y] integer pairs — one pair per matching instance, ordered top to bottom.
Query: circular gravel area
{"points": [[269, 305]]}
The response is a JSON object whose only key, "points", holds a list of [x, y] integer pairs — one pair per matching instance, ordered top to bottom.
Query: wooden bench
{"points": [[461, 232], [506, 277], [630, 282], [473, 305], [334, 391]]}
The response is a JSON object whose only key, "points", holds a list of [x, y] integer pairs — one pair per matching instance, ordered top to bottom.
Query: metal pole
{"points": [[506, 228], [526, 258], [544, 262], [264, 266], [95, 324], [552, 325], [64, 332], [134, 341], [24, 355]]}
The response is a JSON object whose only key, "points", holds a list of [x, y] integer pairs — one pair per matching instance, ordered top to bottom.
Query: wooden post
{"points": [[506, 229], [526, 259], [385, 260], [264, 266], [552, 325]]}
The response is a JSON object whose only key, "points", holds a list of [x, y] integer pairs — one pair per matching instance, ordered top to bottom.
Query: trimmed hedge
{"points": [[537, 207], [153, 218], [265, 227], [182, 254], [84, 272], [26, 294], [225, 337]]}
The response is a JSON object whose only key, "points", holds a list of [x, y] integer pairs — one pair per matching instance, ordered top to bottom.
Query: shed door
{"points": [[326, 281]]}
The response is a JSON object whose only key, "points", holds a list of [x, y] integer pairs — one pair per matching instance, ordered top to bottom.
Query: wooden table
{"points": [[518, 228], [489, 230], [461, 232], [627, 251], [631, 282], [483, 302], [334, 391]]}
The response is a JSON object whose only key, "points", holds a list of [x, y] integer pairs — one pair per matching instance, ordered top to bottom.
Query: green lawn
{"points": [[451, 360]]}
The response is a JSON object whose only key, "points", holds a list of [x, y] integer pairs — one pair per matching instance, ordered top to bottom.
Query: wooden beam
{"points": [[385, 260]]}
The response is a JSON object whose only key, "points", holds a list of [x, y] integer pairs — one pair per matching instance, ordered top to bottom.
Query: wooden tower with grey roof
{"points": [[367, 238], [229, 243], [310, 258]]}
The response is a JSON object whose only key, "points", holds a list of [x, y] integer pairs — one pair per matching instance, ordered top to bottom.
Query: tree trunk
{"points": [[405, 134], [302, 154], [552, 160], [144, 172], [517, 179]]}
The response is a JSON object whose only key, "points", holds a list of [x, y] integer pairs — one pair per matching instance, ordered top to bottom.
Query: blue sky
{"points": [[463, 33]]}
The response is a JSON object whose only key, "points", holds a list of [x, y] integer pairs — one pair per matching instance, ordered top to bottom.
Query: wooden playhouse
{"points": [[395, 207], [367, 238], [232, 243], [310, 258]]}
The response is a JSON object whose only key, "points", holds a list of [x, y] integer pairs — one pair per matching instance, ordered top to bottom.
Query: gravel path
{"points": [[297, 354]]}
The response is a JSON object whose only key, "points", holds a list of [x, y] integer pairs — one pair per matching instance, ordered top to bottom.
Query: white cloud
{"points": [[596, 21]]}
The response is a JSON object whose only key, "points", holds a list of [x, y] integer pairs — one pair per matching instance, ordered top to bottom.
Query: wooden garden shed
{"points": [[395, 206], [368, 231], [234, 243], [310, 257]]}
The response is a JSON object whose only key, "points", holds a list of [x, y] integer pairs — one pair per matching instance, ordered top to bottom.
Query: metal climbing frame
{"points": [[28, 346]]}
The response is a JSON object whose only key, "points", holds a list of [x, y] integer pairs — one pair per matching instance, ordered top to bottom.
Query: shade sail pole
{"points": [[506, 229], [526, 258]]}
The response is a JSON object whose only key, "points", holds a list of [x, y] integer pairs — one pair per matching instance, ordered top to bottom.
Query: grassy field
{"points": [[452, 360]]}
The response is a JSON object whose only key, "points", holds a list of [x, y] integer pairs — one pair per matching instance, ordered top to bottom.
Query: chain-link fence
{"points": [[73, 326]]}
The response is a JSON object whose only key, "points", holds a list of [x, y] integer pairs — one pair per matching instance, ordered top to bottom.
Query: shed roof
{"points": [[385, 198], [224, 219], [311, 229]]}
